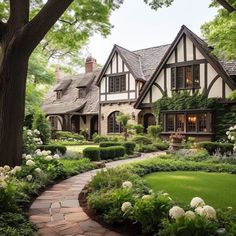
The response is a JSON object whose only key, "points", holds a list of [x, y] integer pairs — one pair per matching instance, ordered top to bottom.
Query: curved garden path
{"points": [[57, 211]]}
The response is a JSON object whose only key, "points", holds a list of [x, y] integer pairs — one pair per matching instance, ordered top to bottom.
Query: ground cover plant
{"points": [[120, 195]]}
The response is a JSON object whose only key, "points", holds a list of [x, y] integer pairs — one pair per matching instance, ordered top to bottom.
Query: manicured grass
{"points": [[79, 148], [217, 189]]}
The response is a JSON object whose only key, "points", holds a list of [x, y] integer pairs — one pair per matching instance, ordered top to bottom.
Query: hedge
{"points": [[68, 135], [140, 139], [129, 146], [213, 147], [53, 148], [111, 152], [93, 153]]}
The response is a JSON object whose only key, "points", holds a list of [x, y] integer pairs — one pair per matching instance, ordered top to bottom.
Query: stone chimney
{"points": [[90, 64], [59, 74]]}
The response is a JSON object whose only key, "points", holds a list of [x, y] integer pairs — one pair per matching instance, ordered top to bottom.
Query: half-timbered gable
{"points": [[188, 65]]}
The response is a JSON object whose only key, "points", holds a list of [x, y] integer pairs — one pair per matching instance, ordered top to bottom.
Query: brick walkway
{"points": [[57, 210]]}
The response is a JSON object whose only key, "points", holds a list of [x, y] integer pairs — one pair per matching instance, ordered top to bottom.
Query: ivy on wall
{"points": [[224, 113]]}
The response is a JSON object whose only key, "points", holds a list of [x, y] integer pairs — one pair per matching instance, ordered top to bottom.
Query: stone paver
{"points": [[57, 210]]}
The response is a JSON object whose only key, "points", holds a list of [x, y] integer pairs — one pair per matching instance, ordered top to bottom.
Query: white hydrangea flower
{"points": [[231, 128], [36, 131], [29, 133], [228, 133], [229, 136], [232, 138], [38, 150], [49, 152], [39, 153], [44, 153], [56, 156], [28, 157], [48, 158], [30, 163], [7, 168], [1, 169], [15, 169], [38, 170], [29, 177], [127, 184], [146, 197], [196, 202], [126, 206], [230, 208], [199, 210], [176, 212], [209, 212], [190, 215]]}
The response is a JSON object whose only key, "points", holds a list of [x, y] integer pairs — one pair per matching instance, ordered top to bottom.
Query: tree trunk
{"points": [[13, 73]]}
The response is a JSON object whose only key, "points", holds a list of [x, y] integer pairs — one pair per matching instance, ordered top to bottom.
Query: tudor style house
{"points": [[131, 81]]}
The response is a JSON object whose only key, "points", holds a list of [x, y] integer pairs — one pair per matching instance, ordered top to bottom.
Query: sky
{"points": [[137, 26]]}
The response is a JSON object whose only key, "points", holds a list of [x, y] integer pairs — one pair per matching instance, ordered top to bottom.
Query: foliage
{"points": [[123, 119], [41, 124], [138, 128], [154, 131], [85, 133], [66, 135], [100, 138], [141, 139], [30, 140], [108, 144], [162, 146], [129, 147], [213, 147], [53, 148], [146, 148], [112, 152], [93, 153], [192, 155]]}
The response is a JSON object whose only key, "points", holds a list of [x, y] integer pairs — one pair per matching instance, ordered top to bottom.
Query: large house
{"points": [[131, 81]]}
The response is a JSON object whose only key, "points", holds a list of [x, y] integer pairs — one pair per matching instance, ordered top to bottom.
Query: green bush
{"points": [[43, 126], [138, 129], [154, 131], [68, 135], [100, 138], [141, 139], [108, 144], [161, 146], [129, 147], [213, 147], [53, 148], [146, 148], [112, 152], [93, 153], [192, 155]]}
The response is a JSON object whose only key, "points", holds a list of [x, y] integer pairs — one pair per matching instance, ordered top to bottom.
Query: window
{"points": [[185, 77], [117, 83], [82, 92], [59, 95], [53, 121], [188, 121], [170, 123], [113, 125]]}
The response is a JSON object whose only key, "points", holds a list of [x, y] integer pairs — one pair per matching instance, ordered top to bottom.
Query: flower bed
{"points": [[19, 185], [120, 195]]}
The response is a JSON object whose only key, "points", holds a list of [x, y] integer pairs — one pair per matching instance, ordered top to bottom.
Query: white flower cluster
{"points": [[231, 133], [32, 135], [38, 153], [127, 184], [126, 206], [199, 207]]}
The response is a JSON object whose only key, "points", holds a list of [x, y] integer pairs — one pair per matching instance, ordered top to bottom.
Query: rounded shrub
{"points": [[154, 131], [100, 138], [141, 139], [108, 144], [129, 147], [213, 147], [53, 148], [112, 152], [93, 153]]}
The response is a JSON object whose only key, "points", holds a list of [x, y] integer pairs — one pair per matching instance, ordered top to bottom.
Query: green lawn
{"points": [[79, 148], [216, 189]]}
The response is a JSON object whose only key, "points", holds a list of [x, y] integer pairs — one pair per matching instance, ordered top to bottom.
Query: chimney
{"points": [[90, 65], [59, 74]]}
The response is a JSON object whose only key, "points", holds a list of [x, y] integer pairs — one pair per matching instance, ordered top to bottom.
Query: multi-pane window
{"points": [[185, 77], [117, 83], [82, 92], [59, 94], [186, 121], [180, 122], [170, 123], [113, 125]]}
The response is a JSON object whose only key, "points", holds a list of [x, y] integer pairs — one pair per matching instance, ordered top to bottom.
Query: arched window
{"points": [[113, 125]]}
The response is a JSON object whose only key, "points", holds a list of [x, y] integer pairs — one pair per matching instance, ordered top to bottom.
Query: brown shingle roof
{"points": [[70, 101]]}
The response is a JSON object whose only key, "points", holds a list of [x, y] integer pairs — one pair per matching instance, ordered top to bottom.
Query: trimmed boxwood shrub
{"points": [[68, 135], [100, 138], [141, 139], [108, 144], [161, 146], [129, 147], [213, 147], [53, 148], [112, 152], [93, 153]]}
